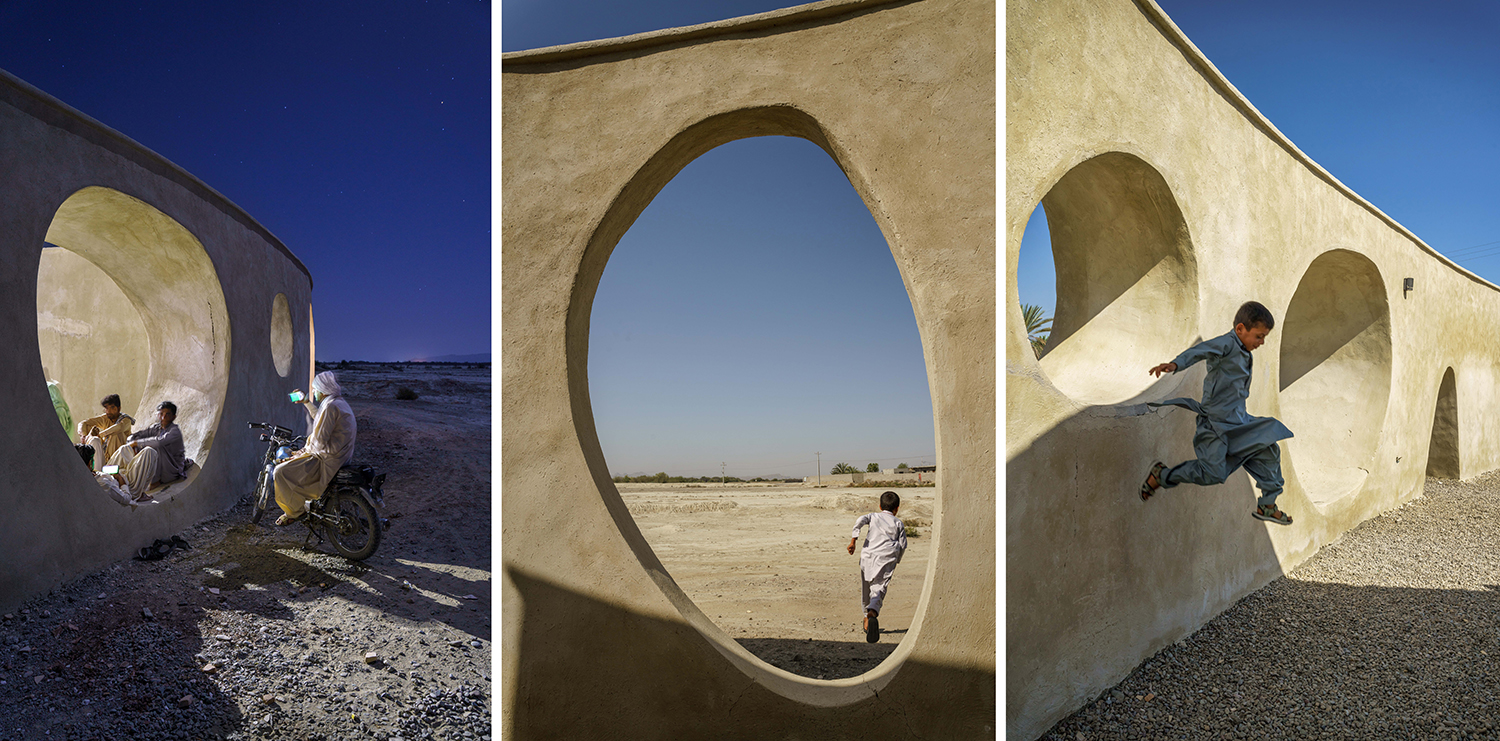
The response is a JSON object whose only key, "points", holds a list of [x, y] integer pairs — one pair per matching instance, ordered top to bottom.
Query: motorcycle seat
{"points": [[356, 474]]}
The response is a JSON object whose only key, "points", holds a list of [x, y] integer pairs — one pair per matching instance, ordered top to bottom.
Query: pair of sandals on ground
{"points": [[1267, 512], [161, 548]]}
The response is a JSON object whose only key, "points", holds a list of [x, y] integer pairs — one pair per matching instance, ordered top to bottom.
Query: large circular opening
{"points": [[1127, 290], [129, 303], [1335, 373], [757, 381]]}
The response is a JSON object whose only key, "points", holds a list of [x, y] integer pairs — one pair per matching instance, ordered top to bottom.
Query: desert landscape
{"points": [[768, 564], [248, 634]]}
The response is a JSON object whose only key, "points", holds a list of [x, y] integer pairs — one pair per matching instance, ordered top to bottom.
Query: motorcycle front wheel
{"points": [[262, 497], [352, 525]]}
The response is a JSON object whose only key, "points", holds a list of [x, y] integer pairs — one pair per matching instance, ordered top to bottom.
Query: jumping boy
{"points": [[1227, 437], [884, 544]]}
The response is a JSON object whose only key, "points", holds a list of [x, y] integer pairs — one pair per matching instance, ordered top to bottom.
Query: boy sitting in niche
{"points": [[1227, 437], [885, 542]]}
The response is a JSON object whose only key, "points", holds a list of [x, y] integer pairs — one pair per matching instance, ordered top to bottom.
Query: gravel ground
{"points": [[1388, 633], [248, 635]]}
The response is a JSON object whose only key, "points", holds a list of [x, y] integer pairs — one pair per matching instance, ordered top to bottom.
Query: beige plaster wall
{"points": [[1200, 183], [201, 276], [91, 338], [597, 640]]}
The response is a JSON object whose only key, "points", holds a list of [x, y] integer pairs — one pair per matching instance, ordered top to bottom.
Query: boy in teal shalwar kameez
{"points": [[1227, 436]]}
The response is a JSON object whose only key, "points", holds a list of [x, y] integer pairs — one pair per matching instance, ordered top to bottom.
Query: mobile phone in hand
{"points": [[296, 396], [111, 470]]}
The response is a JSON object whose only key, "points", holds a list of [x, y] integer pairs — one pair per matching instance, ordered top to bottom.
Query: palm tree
{"points": [[1036, 326], [844, 468]]}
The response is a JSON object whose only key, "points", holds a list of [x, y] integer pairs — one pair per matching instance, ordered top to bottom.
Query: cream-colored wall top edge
{"points": [[663, 37], [1222, 84], [141, 154]]}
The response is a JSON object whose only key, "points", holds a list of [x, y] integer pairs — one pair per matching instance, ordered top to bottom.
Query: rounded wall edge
{"points": [[63, 525]]}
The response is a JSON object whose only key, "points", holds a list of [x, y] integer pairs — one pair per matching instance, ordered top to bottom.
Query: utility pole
{"points": [[820, 467], [721, 473]]}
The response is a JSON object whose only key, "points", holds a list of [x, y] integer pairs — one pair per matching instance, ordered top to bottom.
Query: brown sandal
{"points": [[1147, 488]]}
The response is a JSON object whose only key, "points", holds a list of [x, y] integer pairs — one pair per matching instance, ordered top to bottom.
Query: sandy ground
{"points": [[769, 565], [248, 635]]}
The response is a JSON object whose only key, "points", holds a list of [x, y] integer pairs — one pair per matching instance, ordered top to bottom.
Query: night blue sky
{"points": [[1399, 100], [358, 132], [753, 314]]}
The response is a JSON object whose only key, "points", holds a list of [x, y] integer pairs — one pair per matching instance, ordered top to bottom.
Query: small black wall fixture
{"points": [[1407, 287]]}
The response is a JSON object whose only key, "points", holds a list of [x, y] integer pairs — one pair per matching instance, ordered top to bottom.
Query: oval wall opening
{"points": [[1127, 286], [128, 302], [751, 319], [282, 337], [1335, 373]]}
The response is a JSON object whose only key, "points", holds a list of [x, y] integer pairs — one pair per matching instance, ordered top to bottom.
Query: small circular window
{"points": [[281, 335]]}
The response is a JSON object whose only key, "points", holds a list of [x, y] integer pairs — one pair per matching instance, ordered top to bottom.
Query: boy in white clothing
{"points": [[884, 544]]}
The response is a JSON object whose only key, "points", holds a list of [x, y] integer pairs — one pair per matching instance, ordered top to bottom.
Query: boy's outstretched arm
{"points": [[1211, 348]]}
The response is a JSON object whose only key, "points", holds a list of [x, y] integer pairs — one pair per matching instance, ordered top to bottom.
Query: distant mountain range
{"points": [[480, 357]]}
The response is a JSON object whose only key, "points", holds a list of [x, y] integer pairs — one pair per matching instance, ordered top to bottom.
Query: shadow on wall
{"points": [[1122, 252], [1335, 373], [1442, 448], [1097, 580], [1388, 648], [648, 678]]}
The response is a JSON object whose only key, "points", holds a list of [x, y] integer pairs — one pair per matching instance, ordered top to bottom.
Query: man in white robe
{"points": [[330, 445]]}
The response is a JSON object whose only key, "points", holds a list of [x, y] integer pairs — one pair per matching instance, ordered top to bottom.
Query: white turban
{"points": [[325, 384]]}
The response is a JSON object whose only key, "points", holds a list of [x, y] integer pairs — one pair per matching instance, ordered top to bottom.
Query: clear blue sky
{"points": [[1399, 100], [357, 131], [753, 314]]}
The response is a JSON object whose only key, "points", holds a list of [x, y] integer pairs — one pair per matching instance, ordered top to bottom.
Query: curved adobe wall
{"points": [[199, 274], [1096, 580], [597, 640]]}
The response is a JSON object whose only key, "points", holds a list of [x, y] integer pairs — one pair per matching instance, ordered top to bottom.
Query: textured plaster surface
{"points": [[1198, 182], [199, 273], [92, 339], [597, 639]]}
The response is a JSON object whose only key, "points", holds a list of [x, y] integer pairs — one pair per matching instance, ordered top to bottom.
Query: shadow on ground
{"points": [[272, 563], [824, 659]]}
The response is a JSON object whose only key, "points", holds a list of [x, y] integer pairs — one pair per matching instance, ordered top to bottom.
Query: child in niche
{"points": [[1227, 437], [885, 542]]}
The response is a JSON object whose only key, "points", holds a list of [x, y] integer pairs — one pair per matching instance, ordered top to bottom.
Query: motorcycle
{"points": [[348, 511]]}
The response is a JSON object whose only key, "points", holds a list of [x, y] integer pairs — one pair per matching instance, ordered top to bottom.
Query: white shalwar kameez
{"points": [[330, 445], [885, 543]]}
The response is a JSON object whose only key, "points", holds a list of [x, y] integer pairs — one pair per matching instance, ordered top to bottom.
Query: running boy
{"points": [[1227, 437], [884, 544]]}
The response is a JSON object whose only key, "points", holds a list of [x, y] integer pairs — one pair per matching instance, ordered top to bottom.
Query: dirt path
{"points": [[769, 565], [248, 635]]}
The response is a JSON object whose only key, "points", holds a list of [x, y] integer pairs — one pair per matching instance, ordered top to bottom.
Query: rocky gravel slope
{"points": [[247, 635]]}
